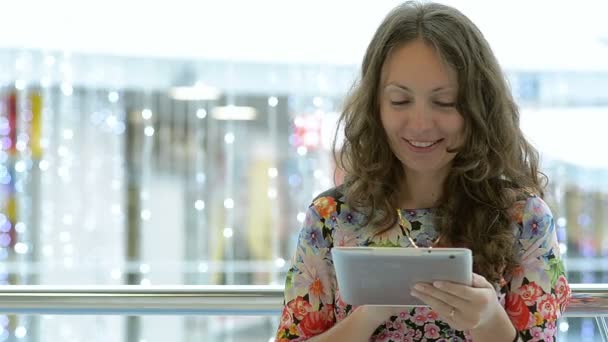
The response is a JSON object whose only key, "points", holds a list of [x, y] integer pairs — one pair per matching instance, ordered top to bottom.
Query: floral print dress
{"points": [[533, 295]]}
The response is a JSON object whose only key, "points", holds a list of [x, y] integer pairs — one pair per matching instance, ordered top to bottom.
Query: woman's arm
{"points": [[311, 282], [310, 288], [537, 291], [358, 326], [499, 328]]}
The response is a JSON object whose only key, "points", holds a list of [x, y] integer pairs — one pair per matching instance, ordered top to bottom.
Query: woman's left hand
{"points": [[462, 307]]}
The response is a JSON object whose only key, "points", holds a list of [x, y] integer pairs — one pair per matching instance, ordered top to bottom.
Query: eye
{"points": [[400, 103], [445, 104]]}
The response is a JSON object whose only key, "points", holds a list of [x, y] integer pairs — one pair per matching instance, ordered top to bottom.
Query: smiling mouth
{"points": [[423, 144]]}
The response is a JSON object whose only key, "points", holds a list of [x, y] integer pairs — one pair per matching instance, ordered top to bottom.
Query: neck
{"points": [[420, 191]]}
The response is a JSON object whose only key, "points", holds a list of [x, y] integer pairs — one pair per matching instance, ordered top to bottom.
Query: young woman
{"points": [[433, 156]]}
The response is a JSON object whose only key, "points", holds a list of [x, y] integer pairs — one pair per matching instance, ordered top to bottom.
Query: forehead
{"points": [[417, 63]]}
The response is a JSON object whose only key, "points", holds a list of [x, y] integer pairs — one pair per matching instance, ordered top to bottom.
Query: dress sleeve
{"points": [[310, 284], [537, 291]]}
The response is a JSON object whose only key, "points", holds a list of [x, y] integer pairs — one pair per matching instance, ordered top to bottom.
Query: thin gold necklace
{"points": [[408, 232]]}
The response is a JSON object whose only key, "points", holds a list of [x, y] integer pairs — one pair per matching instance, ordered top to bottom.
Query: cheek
{"points": [[384, 114], [387, 119], [387, 125], [456, 128]]}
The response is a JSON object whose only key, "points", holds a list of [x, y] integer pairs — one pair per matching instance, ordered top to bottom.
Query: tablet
{"points": [[385, 275]]}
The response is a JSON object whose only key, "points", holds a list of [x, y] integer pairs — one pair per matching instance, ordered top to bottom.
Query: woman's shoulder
{"points": [[328, 202], [334, 208], [531, 213]]}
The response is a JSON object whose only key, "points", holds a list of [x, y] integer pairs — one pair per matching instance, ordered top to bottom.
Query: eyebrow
{"points": [[400, 86]]}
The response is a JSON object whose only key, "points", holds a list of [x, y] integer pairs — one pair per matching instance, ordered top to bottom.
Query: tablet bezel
{"points": [[371, 275]]}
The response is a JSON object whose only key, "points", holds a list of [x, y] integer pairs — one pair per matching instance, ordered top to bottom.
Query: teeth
{"points": [[421, 144]]}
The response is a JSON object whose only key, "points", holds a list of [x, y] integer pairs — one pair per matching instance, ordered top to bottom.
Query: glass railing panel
{"points": [[207, 313], [162, 328]]}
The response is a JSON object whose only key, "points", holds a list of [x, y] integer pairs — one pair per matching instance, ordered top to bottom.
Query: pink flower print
{"points": [[562, 291], [530, 293], [299, 307], [548, 307], [404, 315], [421, 315], [432, 316], [286, 319], [431, 331], [549, 331], [537, 334], [548, 335]]}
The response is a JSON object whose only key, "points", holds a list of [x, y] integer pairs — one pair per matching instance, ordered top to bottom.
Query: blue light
{"points": [[5, 240]]}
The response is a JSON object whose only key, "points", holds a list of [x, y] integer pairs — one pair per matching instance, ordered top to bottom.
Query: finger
{"points": [[481, 282], [458, 290], [463, 291], [444, 296], [442, 308]]}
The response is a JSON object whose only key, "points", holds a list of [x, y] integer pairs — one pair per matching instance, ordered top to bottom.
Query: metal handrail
{"points": [[588, 300]]}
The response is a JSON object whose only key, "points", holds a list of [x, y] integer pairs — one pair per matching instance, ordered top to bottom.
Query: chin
{"points": [[426, 169]]}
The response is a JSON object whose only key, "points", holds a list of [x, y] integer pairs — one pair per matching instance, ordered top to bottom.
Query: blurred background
{"points": [[180, 142]]}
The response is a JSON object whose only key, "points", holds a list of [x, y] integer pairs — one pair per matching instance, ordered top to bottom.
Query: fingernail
{"points": [[438, 284], [419, 287], [414, 293]]}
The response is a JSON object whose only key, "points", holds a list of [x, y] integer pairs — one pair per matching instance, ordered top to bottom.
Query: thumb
{"points": [[480, 282]]}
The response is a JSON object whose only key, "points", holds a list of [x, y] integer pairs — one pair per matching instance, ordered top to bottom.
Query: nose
{"points": [[420, 119]]}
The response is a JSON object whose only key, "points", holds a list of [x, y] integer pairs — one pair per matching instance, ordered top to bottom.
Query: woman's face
{"points": [[417, 109]]}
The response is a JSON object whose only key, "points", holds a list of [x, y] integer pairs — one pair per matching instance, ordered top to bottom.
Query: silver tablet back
{"points": [[385, 276]]}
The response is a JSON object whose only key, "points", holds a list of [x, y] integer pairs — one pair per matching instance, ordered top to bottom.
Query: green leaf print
{"points": [[385, 243], [556, 268], [289, 280]]}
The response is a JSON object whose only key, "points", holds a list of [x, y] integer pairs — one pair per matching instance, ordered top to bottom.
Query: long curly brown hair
{"points": [[494, 167]]}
